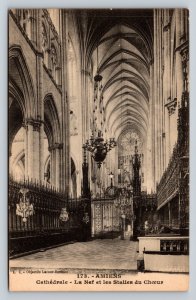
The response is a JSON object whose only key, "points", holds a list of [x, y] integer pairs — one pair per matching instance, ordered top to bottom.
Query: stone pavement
{"points": [[100, 254]]}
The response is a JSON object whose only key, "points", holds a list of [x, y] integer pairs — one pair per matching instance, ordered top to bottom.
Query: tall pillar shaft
{"points": [[179, 72], [150, 140], [29, 151], [36, 152], [41, 152], [65, 158], [33, 161], [55, 163], [53, 167], [57, 167], [169, 214]]}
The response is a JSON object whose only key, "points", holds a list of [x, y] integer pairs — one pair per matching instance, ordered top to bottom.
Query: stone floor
{"points": [[110, 254]]}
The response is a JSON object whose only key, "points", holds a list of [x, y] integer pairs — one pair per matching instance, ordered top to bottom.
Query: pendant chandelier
{"points": [[96, 144], [99, 148]]}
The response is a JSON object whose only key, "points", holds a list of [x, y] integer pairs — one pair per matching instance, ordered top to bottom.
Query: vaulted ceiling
{"points": [[118, 44]]}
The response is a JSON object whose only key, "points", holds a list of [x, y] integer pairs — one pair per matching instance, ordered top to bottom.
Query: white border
{"points": [[4, 5]]}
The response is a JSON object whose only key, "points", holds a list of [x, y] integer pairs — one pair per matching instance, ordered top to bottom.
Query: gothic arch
{"points": [[21, 79], [21, 92], [51, 120], [53, 133], [19, 161]]}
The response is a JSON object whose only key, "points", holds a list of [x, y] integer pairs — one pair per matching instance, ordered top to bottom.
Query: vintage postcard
{"points": [[98, 149]]}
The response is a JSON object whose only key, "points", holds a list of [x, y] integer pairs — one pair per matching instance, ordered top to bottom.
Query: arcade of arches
{"points": [[76, 73]]}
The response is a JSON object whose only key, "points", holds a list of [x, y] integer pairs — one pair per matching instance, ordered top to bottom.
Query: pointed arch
{"points": [[20, 77], [22, 99], [51, 120]]}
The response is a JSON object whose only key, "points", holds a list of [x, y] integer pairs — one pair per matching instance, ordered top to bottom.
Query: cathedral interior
{"points": [[99, 132]]}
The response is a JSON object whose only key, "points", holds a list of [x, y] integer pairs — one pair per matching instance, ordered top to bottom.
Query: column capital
{"points": [[167, 27], [151, 62], [85, 72], [171, 105], [36, 124], [55, 146]]}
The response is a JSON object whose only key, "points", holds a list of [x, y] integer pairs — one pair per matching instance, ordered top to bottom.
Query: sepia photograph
{"points": [[98, 138]]}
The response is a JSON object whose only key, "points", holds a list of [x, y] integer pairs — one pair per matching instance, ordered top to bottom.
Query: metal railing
{"points": [[47, 204], [175, 245]]}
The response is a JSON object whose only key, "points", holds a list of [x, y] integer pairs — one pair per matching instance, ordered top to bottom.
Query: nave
{"points": [[99, 137]]}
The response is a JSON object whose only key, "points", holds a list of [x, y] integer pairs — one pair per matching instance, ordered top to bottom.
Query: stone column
{"points": [[179, 72], [85, 80], [166, 84], [161, 96], [156, 98], [85, 99], [171, 106], [39, 110], [26, 148], [29, 149], [58, 150], [41, 152], [37, 161], [33, 162], [55, 162], [52, 165], [61, 166], [57, 167], [149, 169], [65, 176], [169, 214]]}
